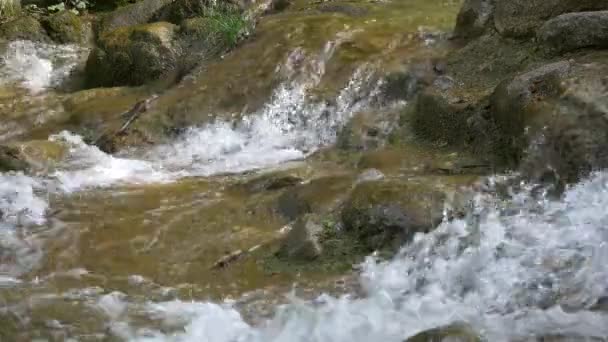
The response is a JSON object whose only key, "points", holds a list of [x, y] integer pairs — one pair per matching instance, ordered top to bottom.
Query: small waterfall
{"points": [[38, 66], [288, 127]]}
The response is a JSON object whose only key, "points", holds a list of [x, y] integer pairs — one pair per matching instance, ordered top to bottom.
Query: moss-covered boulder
{"points": [[66, 27], [24, 28], [134, 55], [388, 213]]}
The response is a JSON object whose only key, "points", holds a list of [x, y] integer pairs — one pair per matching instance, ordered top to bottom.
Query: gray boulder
{"points": [[138, 13], [474, 18], [520, 18], [574, 31]]}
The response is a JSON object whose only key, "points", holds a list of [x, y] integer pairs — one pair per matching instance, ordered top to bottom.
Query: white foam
{"points": [[38, 66], [511, 271]]}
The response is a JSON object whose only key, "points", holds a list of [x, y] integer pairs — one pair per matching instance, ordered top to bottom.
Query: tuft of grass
{"points": [[9, 8], [226, 28]]}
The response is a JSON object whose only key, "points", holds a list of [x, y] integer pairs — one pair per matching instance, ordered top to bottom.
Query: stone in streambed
{"points": [[474, 18], [66, 27], [573, 31], [133, 55], [388, 213], [302, 241]]}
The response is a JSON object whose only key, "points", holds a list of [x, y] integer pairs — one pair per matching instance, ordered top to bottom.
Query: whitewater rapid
{"points": [[513, 268]]}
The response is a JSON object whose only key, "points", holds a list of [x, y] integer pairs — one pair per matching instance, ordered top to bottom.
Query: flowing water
{"points": [[99, 247]]}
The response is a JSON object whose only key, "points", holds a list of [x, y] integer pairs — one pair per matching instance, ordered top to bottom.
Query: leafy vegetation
{"points": [[9, 8]]}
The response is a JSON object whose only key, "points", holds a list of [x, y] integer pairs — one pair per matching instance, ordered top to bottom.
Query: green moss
{"points": [[65, 27]]}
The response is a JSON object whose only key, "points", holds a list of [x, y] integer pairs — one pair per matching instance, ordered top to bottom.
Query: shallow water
{"points": [[122, 247]]}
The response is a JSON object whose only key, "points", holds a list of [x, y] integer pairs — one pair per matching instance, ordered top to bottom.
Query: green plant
{"points": [[9, 8], [226, 28]]}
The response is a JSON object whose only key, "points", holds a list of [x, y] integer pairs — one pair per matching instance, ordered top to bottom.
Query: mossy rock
{"points": [[66, 27], [23, 28], [133, 56], [12, 160], [387, 213]]}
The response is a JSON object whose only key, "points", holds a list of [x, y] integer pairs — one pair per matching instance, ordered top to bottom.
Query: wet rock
{"points": [[345, 9], [180, 10], [139, 13], [474, 18], [520, 18], [66, 27], [24, 28], [574, 31], [134, 55], [516, 103], [443, 118], [367, 130], [568, 142], [33, 155], [11, 159], [370, 175], [270, 183], [318, 195], [388, 213], [302, 241], [453, 333]]}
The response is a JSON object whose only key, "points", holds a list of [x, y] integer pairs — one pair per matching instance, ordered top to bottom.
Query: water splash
{"points": [[38, 66], [511, 270]]}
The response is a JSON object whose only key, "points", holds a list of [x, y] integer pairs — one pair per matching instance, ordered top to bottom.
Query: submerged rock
{"points": [[24, 28], [574, 31], [133, 55], [319, 195], [388, 213], [302, 241], [453, 333]]}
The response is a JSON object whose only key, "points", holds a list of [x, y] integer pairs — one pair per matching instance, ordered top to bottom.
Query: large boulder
{"points": [[138, 13], [474, 18], [520, 18], [66, 27], [23, 28], [574, 31], [134, 55], [519, 103], [554, 117], [388, 213]]}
